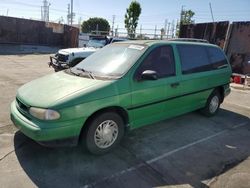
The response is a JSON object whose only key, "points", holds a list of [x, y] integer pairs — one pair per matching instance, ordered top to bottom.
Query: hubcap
{"points": [[214, 103], [106, 134]]}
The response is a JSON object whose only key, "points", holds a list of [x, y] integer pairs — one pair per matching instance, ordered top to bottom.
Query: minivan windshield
{"points": [[113, 60]]}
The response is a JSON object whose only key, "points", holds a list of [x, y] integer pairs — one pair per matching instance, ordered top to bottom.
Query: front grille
{"points": [[62, 57], [22, 107]]}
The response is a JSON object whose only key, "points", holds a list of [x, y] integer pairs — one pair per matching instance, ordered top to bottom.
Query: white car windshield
{"points": [[96, 43], [112, 60]]}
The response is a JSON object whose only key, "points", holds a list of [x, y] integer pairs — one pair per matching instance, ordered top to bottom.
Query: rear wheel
{"points": [[213, 104], [104, 133]]}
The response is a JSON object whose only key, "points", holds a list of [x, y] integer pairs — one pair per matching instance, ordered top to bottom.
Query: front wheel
{"points": [[212, 105], [104, 133]]}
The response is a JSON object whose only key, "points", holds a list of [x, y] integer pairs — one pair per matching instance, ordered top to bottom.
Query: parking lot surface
{"points": [[187, 151]]}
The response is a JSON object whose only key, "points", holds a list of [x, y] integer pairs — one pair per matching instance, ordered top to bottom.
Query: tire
{"points": [[212, 105], [109, 122]]}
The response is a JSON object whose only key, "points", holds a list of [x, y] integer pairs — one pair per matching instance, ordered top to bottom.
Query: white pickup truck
{"points": [[66, 58]]}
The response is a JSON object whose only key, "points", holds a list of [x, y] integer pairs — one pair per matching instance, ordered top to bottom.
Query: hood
{"points": [[77, 50], [49, 90]]}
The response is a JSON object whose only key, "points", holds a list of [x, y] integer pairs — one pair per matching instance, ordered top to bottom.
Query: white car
{"points": [[66, 58]]}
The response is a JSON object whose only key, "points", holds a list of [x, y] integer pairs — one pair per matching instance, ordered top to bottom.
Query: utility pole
{"points": [[45, 11], [211, 11], [48, 12], [42, 13], [68, 16], [181, 17], [71, 20], [80, 21], [113, 22], [165, 25], [176, 27], [172, 28], [168, 30], [116, 31]]}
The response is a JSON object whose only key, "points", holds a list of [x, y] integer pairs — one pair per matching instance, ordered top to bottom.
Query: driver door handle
{"points": [[175, 84]]}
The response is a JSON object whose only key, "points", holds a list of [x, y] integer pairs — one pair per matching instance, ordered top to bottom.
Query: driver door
{"points": [[149, 97]]}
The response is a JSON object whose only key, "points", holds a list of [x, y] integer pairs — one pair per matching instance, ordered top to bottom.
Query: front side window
{"points": [[194, 58], [160, 60]]}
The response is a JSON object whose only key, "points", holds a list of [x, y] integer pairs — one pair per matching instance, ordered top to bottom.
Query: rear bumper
{"points": [[57, 65], [227, 90], [60, 133]]}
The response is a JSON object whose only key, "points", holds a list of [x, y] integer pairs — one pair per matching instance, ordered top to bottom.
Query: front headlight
{"points": [[44, 114]]}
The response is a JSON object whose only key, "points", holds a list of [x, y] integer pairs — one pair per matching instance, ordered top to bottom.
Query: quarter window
{"points": [[217, 57], [160, 60]]}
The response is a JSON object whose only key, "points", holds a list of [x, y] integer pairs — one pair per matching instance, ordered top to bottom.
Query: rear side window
{"points": [[216, 57], [193, 58]]}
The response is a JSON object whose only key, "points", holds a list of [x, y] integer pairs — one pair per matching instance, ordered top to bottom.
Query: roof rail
{"points": [[189, 40]]}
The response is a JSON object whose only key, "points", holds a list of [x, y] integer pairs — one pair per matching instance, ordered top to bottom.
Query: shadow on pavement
{"points": [[185, 150]]}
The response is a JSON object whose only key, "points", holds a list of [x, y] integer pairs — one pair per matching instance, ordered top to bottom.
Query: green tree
{"points": [[131, 18], [186, 18], [93, 24]]}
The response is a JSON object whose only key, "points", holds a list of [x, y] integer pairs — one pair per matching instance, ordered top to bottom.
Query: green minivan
{"points": [[124, 85]]}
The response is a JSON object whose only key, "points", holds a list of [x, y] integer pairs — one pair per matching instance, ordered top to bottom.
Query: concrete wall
{"points": [[24, 31], [214, 32], [238, 47]]}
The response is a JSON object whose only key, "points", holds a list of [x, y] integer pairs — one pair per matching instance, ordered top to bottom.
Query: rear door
{"points": [[197, 76]]}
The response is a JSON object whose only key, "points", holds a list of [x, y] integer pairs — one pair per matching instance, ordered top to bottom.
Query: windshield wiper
{"points": [[72, 72], [88, 72]]}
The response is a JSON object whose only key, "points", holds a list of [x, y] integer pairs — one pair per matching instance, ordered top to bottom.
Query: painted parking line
{"points": [[239, 105], [194, 143], [168, 154]]}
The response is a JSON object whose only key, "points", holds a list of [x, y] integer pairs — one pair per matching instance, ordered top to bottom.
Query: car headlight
{"points": [[44, 114]]}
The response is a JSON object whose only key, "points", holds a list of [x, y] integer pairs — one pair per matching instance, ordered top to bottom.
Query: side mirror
{"points": [[149, 75]]}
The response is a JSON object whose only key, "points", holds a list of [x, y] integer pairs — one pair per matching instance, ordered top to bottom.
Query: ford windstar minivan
{"points": [[123, 85]]}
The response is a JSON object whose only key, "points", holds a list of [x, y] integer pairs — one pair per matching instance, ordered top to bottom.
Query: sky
{"points": [[154, 13]]}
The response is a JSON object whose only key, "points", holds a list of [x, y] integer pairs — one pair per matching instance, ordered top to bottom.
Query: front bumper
{"points": [[57, 65], [55, 135]]}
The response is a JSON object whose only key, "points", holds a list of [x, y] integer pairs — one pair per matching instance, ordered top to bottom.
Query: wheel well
{"points": [[220, 89], [116, 109]]}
